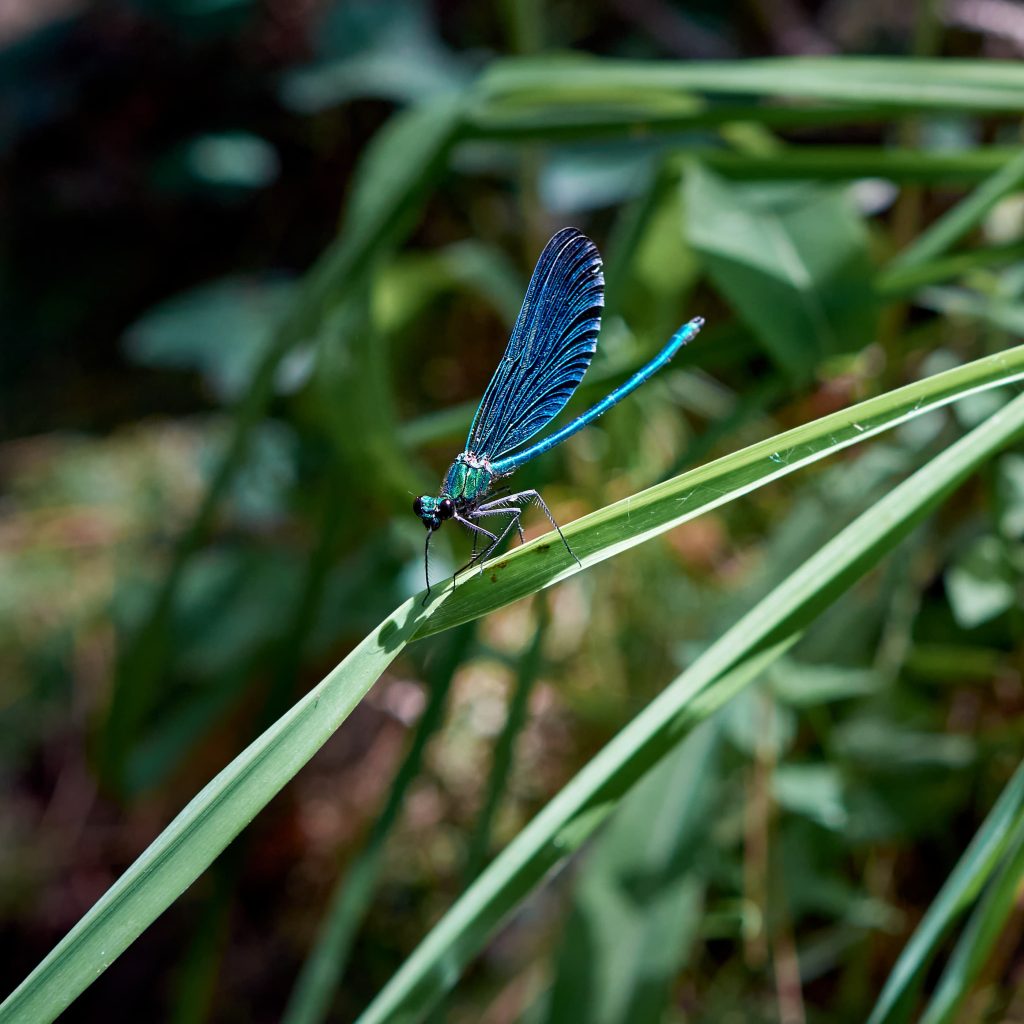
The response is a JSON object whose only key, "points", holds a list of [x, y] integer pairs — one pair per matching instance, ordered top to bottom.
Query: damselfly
{"points": [[552, 343]]}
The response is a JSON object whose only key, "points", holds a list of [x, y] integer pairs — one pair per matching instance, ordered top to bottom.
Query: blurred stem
{"points": [[524, 25], [928, 29], [524, 30], [909, 207], [318, 568], [911, 570], [148, 649], [504, 751], [756, 830], [200, 967], [324, 968], [788, 989]]}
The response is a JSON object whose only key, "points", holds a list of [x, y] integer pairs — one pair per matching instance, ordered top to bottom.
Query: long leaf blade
{"points": [[638, 518], [725, 667]]}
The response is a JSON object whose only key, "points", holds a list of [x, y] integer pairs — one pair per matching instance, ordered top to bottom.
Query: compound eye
{"points": [[417, 506], [446, 509]]}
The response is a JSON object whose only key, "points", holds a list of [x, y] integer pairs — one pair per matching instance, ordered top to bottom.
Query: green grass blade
{"points": [[897, 82], [590, 98], [847, 163], [944, 233], [892, 284], [639, 517], [727, 665], [230, 801], [205, 827], [974, 868], [972, 952], [324, 967]]}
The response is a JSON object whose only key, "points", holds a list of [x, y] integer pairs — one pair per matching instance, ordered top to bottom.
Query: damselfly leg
{"points": [[504, 504]]}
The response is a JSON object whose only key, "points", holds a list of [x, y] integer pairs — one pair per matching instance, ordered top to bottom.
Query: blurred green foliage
{"points": [[258, 263]]}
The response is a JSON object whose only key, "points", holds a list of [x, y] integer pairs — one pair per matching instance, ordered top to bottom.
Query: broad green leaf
{"points": [[792, 263], [221, 329], [980, 584], [802, 685], [876, 743], [814, 791]]}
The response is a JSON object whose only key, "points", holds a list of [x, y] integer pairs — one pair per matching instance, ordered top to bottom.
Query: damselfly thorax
{"points": [[469, 479]]}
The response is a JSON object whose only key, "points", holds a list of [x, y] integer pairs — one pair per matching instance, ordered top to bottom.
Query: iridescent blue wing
{"points": [[550, 349]]}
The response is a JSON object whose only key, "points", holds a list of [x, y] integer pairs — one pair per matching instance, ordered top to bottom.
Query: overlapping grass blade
{"points": [[846, 163], [725, 667], [230, 801], [973, 870], [974, 949]]}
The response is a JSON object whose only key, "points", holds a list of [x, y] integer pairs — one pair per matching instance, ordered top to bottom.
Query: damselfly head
{"points": [[433, 511]]}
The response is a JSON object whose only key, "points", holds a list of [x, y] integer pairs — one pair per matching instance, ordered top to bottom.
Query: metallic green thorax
{"points": [[468, 479], [466, 482]]}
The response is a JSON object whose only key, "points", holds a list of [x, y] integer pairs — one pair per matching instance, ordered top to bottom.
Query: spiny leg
{"points": [[527, 497], [513, 513], [515, 520], [476, 530]]}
